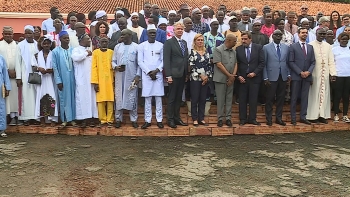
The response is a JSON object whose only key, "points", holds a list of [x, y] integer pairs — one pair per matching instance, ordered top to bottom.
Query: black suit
{"points": [[142, 21], [115, 37], [175, 65], [251, 86]]}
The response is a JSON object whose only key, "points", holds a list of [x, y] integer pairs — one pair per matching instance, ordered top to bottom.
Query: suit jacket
{"points": [[142, 21], [241, 26], [160, 36], [115, 37], [260, 38], [256, 63], [299, 63], [175, 64], [273, 64]]}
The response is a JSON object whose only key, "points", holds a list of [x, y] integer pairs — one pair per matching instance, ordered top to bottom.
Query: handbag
{"points": [[34, 78]]}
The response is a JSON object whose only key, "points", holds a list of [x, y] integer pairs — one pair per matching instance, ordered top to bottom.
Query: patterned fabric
{"points": [[200, 28], [268, 30], [96, 42], [211, 42], [199, 65], [47, 106]]}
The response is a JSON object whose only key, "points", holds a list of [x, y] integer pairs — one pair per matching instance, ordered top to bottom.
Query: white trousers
{"points": [[148, 109], [133, 115]]}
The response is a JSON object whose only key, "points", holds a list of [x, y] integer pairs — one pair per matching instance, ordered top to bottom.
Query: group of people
{"points": [[79, 71]]}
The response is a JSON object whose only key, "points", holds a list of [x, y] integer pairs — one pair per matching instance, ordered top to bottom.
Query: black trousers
{"points": [[299, 87], [245, 89], [276, 89], [341, 91], [174, 99], [198, 99]]}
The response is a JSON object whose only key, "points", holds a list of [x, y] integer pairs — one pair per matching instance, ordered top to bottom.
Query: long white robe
{"points": [[73, 39], [125, 55], [12, 56], [150, 57], [47, 85], [319, 93], [28, 94], [85, 95]]}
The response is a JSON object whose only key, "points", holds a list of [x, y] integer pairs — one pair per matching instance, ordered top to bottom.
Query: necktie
{"points": [[182, 46], [304, 49], [279, 52], [248, 54]]}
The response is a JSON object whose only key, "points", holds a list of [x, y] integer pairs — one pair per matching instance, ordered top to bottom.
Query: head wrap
{"points": [[205, 7], [195, 10], [119, 12], [172, 12], [100, 13], [134, 14], [303, 20], [162, 21], [29, 27], [151, 27], [7, 28], [62, 33], [81, 37]]}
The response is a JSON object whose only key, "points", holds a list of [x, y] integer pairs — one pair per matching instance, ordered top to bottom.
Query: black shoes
{"points": [[323, 120], [180, 122], [242, 122], [254, 122], [280, 122], [293, 122], [305, 122], [229, 123], [269, 123], [118, 124], [134, 124], [219, 124], [145, 125], [160, 125], [172, 125]]}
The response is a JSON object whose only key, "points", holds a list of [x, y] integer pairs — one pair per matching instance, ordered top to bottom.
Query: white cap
{"points": [[205, 7], [195, 10], [119, 12], [172, 12], [100, 13], [303, 20], [162, 21], [29, 27], [151, 27]]}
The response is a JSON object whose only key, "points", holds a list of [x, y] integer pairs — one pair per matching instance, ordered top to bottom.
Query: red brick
{"points": [[12, 129], [69, 130], [89, 131], [110, 131], [130, 131], [180, 131], [200, 131], [222, 131], [156, 132]]}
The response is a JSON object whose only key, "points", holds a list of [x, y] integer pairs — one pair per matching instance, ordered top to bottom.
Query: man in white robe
{"points": [[28, 47], [11, 53], [150, 60], [127, 77], [85, 95], [319, 110]]}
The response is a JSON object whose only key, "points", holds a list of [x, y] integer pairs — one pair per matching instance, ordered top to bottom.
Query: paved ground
{"points": [[310, 164]]}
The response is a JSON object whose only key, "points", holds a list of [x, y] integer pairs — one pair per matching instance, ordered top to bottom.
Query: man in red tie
{"points": [[301, 63]]}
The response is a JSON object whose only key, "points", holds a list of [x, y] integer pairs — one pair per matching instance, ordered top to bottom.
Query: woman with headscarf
{"points": [[46, 103]]}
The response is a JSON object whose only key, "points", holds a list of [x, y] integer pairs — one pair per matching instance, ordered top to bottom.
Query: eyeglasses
{"points": [[304, 8]]}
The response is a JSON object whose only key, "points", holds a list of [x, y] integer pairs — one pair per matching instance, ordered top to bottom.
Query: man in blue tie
{"points": [[175, 61], [250, 62], [276, 74]]}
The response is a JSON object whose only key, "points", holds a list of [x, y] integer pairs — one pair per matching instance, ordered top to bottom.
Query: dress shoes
{"points": [[323, 120], [314, 121], [180, 122], [242, 122], [254, 122], [280, 122], [293, 122], [305, 122], [202, 123], [220, 123], [229, 123], [269, 123], [118, 124], [134, 124], [146, 125], [160, 125], [172, 125]]}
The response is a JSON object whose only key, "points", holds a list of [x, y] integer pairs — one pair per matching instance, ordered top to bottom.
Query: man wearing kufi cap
{"points": [[205, 15], [324, 22], [245, 24], [114, 26], [199, 26], [135, 27], [161, 35], [310, 36], [28, 48], [11, 54], [150, 60], [62, 64]]}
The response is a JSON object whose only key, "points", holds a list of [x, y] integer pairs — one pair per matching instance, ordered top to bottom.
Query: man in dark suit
{"points": [[143, 18], [116, 36], [175, 61], [250, 62], [301, 63], [276, 74]]}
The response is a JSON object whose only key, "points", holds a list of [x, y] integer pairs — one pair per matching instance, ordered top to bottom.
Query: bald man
{"points": [[225, 70]]}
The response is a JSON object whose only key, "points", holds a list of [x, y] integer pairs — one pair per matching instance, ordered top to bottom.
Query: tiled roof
{"points": [[65, 6]]}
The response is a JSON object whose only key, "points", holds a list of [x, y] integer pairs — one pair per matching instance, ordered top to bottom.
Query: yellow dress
{"points": [[103, 75]]}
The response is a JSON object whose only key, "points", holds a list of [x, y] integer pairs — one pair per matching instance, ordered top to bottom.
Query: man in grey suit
{"points": [[245, 24], [116, 36], [175, 61], [301, 63], [225, 69], [276, 73]]}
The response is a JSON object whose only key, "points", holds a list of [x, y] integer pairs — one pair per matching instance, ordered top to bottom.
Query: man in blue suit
{"points": [[160, 34], [301, 63], [276, 73]]}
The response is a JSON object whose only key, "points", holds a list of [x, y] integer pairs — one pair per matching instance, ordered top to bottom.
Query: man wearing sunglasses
{"points": [[303, 10]]}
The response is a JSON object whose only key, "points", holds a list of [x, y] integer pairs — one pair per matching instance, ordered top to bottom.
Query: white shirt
{"points": [[47, 25], [224, 27], [188, 37], [277, 45], [301, 45], [342, 61]]}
